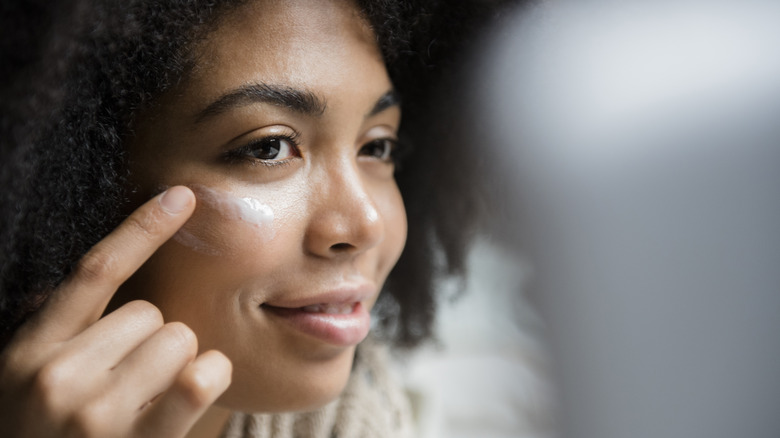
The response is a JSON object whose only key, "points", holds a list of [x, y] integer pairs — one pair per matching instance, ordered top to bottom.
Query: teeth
{"points": [[312, 309], [330, 309]]}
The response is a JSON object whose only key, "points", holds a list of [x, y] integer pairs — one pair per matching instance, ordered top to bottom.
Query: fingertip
{"points": [[176, 200], [220, 366], [205, 379], [197, 387]]}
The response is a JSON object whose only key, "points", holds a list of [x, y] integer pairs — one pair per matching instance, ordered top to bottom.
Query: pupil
{"points": [[270, 149], [376, 149]]}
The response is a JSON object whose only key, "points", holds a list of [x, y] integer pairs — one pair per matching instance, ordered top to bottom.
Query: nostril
{"points": [[341, 247]]}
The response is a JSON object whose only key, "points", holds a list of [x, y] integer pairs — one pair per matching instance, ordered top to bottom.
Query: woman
{"points": [[266, 135]]}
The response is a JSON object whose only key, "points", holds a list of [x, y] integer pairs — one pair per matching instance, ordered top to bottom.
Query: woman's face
{"points": [[284, 132]]}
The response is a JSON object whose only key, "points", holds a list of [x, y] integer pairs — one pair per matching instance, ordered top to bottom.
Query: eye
{"points": [[382, 149], [269, 150]]}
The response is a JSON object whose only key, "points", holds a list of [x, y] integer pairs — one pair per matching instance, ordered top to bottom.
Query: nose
{"points": [[344, 217]]}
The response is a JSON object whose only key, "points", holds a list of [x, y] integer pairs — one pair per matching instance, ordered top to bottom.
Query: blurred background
{"points": [[628, 284], [489, 375]]}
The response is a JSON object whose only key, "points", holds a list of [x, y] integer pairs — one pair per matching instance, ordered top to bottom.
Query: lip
{"points": [[339, 329]]}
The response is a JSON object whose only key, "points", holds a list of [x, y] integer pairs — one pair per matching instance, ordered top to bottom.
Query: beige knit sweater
{"points": [[372, 405]]}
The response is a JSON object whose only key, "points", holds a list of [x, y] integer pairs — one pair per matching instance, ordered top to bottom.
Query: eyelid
{"points": [[259, 132], [379, 132], [390, 148], [238, 149]]}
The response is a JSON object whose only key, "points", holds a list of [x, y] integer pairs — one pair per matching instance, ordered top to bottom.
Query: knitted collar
{"points": [[372, 405]]}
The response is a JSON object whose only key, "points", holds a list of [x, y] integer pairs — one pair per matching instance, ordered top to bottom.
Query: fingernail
{"points": [[175, 200]]}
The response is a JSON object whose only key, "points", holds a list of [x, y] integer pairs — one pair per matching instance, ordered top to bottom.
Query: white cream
{"points": [[248, 210], [253, 211], [186, 238]]}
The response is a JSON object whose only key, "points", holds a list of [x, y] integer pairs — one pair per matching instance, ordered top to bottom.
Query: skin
{"points": [[338, 216], [339, 222], [43, 389]]}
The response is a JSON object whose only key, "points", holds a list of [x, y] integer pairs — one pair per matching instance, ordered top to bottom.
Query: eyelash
{"points": [[246, 152], [391, 154]]}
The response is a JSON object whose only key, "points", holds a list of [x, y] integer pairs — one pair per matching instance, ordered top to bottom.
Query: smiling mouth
{"points": [[330, 309], [339, 324]]}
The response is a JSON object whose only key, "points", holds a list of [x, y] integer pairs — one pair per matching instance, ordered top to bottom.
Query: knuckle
{"points": [[146, 224], [97, 266], [51, 377], [50, 383]]}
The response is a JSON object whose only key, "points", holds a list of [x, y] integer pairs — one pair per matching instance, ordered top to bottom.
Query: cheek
{"points": [[226, 225], [232, 244]]}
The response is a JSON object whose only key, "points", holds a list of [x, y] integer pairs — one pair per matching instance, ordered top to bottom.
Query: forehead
{"points": [[288, 42]]}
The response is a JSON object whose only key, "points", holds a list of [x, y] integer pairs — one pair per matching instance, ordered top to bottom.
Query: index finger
{"points": [[82, 298]]}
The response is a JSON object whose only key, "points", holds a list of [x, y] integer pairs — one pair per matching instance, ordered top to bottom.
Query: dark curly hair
{"points": [[74, 75]]}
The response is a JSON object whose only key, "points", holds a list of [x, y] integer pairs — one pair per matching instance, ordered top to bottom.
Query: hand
{"points": [[69, 372]]}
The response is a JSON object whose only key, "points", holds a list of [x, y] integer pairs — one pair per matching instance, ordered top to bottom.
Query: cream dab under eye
{"points": [[246, 209], [250, 211]]}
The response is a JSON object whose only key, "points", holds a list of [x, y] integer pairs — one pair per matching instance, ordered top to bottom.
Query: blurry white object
{"points": [[644, 143], [488, 377]]}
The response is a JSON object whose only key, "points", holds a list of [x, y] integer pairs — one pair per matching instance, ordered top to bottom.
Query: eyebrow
{"points": [[389, 99], [301, 101]]}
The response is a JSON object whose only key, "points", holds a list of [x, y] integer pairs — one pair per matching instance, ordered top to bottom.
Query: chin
{"points": [[292, 388]]}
